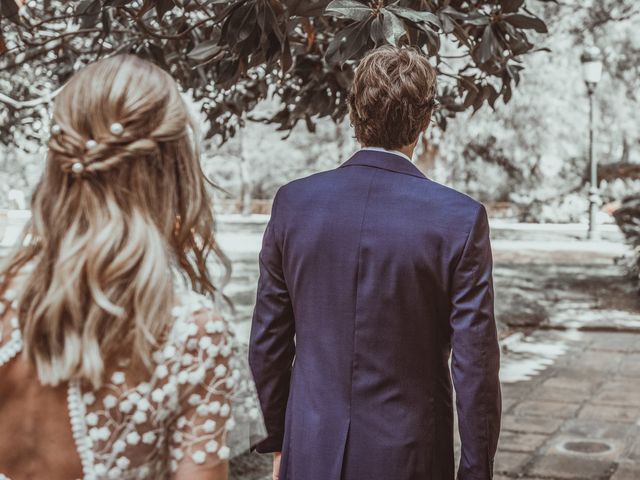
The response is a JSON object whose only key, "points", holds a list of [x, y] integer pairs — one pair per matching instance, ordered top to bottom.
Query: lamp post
{"points": [[591, 60]]}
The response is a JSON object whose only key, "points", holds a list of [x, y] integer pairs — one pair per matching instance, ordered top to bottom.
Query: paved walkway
{"points": [[579, 418]]}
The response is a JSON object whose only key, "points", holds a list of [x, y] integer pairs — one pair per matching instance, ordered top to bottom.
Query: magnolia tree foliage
{"points": [[234, 54], [533, 151]]}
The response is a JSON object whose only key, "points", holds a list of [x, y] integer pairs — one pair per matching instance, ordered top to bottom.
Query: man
{"points": [[379, 273]]}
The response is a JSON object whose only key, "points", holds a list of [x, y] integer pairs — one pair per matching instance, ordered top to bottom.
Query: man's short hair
{"points": [[392, 97]]}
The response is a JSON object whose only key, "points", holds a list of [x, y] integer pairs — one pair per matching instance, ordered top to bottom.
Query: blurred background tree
{"points": [[532, 153]]}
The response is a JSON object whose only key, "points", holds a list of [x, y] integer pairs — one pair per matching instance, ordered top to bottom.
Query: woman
{"points": [[124, 372]]}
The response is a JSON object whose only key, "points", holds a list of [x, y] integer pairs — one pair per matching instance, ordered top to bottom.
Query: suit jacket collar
{"points": [[385, 161]]}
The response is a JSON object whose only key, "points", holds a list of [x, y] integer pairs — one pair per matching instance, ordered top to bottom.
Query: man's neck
{"points": [[406, 150]]}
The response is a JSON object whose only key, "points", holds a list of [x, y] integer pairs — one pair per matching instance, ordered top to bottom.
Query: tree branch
{"points": [[17, 105]]}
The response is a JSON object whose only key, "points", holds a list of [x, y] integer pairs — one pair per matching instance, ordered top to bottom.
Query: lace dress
{"points": [[198, 405]]}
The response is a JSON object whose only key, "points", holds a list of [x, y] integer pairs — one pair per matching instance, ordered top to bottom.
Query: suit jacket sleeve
{"points": [[272, 347], [476, 354]]}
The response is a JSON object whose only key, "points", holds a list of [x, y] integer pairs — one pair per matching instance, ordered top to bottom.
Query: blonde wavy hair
{"points": [[118, 210]]}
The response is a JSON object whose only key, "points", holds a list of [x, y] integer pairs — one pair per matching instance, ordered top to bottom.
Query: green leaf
{"points": [[163, 6], [511, 6], [350, 9], [9, 10], [88, 11], [453, 13], [414, 16], [477, 20], [524, 21], [242, 23], [273, 24], [448, 25], [393, 28], [377, 33], [357, 40], [433, 42], [349, 43], [488, 45], [204, 51], [286, 60], [507, 93], [490, 94], [470, 98]]}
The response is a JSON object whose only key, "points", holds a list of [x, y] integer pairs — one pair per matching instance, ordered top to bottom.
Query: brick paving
{"points": [[579, 419]]}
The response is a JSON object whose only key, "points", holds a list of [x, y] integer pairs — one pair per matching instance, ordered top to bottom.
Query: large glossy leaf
{"points": [[163, 6], [511, 6], [9, 9], [350, 9], [88, 12], [453, 13], [414, 16], [477, 20], [271, 21], [524, 21], [242, 23], [448, 25], [393, 28], [377, 32], [357, 40], [349, 42], [488, 46], [204, 51]]}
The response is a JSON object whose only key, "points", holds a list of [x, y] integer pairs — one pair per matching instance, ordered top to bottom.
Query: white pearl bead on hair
{"points": [[116, 128], [56, 130], [91, 144], [77, 168]]}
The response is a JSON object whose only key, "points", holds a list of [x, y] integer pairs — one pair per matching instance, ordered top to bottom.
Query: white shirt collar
{"points": [[393, 152]]}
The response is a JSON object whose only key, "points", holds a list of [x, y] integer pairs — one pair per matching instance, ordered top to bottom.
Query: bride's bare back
{"points": [[171, 422], [35, 438]]}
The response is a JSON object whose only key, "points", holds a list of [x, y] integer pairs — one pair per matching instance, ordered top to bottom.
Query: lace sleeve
{"points": [[205, 379], [218, 415]]}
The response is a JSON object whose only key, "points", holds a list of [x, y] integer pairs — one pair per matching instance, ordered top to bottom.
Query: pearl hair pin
{"points": [[55, 129], [117, 129], [91, 144], [77, 168]]}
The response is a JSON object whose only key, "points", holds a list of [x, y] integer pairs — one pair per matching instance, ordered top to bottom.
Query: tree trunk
{"points": [[245, 178]]}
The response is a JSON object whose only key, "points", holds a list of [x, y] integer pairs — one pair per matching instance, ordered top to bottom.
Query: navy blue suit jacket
{"points": [[370, 276]]}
